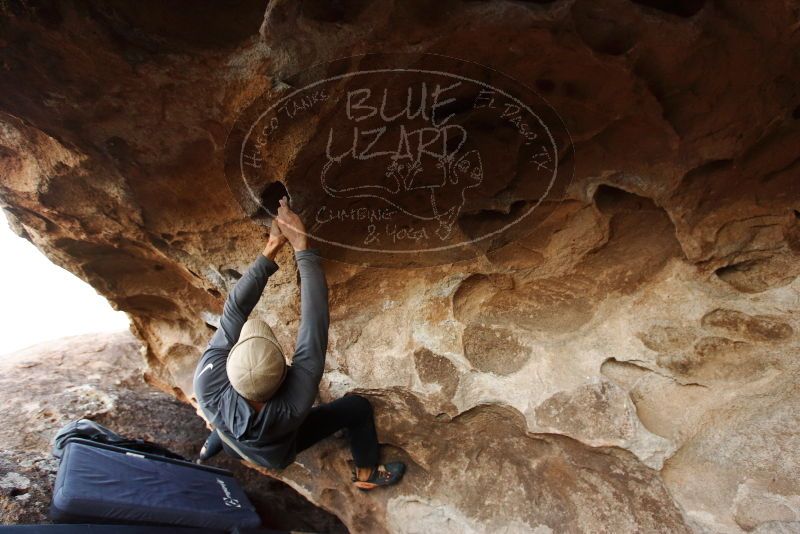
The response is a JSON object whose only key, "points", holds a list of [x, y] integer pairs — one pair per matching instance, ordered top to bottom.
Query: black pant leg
{"points": [[352, 412], [211, 447]]}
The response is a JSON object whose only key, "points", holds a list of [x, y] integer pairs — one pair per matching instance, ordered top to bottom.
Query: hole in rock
{"points": [[681, 8], [332, 10], [46, 12], [165, 25], [604, 31], [545, 86], [796, 113], [118, 148], [701, 172], [271, 195], [611, 199], [797, 213], [484, 221], [159, 243], [729, 272], [232, 273], [757, 275], [214, 293]]}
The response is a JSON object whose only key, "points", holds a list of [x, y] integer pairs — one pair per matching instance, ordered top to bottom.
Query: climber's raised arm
{"points": [[246, 293], [210, 375], [302, 381]]}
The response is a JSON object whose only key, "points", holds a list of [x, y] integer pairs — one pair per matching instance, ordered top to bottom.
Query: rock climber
{"points": [[259, 408]]}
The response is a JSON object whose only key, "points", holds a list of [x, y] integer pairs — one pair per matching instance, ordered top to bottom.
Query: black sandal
{"points": [[383, 475]]}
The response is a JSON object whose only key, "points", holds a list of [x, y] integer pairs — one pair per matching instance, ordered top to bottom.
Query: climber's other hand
{"points": [[291, 226], [276, 235], [275, 242]]}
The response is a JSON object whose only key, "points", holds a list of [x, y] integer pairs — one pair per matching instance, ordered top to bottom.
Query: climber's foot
{"points": [[211, 447], [383, 475]]}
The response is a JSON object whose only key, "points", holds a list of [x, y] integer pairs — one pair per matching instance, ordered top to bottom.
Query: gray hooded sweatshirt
{"points": [[266, 437]]}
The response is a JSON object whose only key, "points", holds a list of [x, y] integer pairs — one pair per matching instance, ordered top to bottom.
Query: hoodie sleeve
{"points": [[241, 301], [210, 376], [299, 390]]}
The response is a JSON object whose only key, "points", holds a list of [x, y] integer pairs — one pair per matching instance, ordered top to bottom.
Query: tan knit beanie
{"points": [[256, 366]]}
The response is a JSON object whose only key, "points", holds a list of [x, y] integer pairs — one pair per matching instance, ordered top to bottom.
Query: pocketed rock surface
{"points": [[628, 365], [99, 377]]}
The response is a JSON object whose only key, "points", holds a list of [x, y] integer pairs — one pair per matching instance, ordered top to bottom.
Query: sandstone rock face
{"points": [[626, 364]]}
